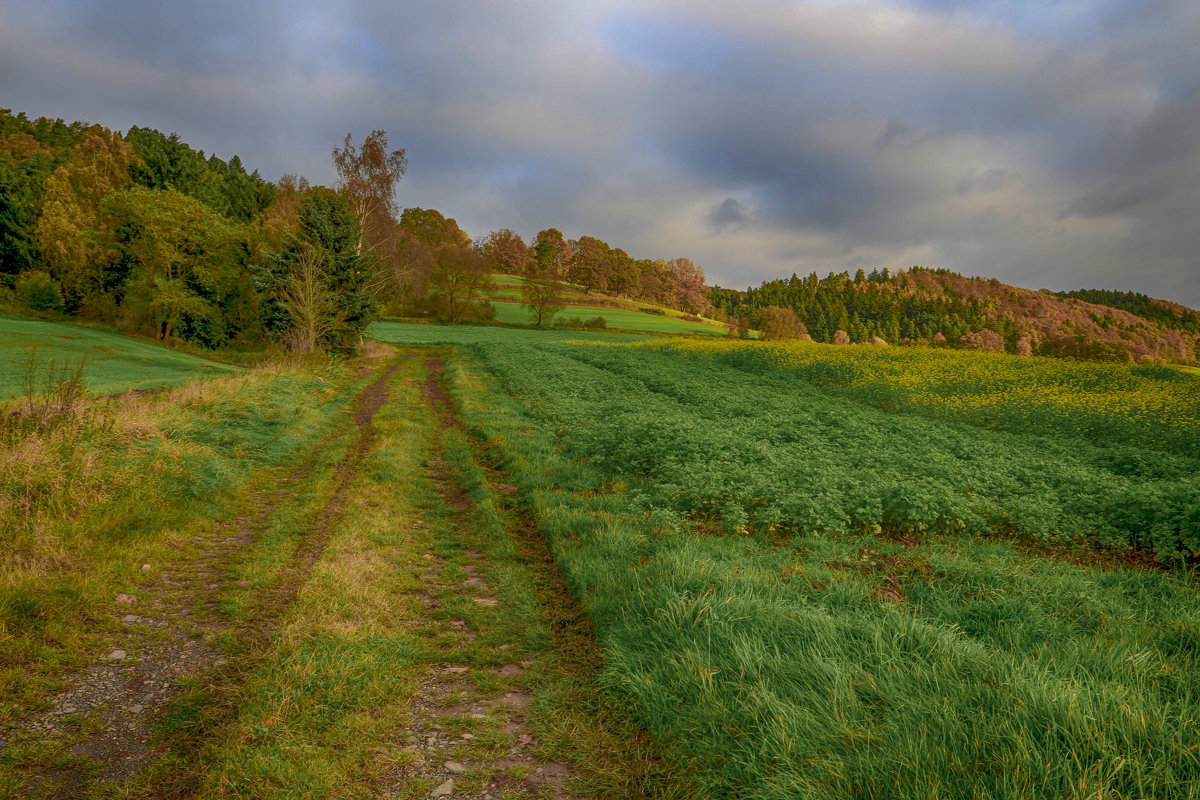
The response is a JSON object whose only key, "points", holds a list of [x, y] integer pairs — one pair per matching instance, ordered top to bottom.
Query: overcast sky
{"points": [[1049, 144]]}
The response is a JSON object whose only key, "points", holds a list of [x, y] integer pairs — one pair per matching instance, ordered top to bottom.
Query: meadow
{"points": [[516, 313], [629, 315], [114, 363], [852, 572]]}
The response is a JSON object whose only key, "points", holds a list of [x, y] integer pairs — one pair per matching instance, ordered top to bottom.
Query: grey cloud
{"points": [[1049, 143], [985, 181], [730, 213]]}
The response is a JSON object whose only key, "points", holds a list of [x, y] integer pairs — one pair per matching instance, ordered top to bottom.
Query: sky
{"points": [[1047, 143]]}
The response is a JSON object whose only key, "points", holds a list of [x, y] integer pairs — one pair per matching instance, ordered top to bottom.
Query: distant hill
{"points": [[941, 307], [1172, 315]]}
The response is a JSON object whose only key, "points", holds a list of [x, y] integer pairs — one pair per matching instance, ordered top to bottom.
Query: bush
{"points": [[37, 291], [481, 311], [780, 323], [596, 324]]}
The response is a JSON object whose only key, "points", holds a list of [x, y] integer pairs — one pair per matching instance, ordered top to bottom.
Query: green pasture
{"points": [[517, 313], [115, 363], [813, 593]]}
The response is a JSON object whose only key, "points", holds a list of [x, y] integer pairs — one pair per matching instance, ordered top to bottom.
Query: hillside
{"points": [[581, 305], [940, 307], [114, 363]]}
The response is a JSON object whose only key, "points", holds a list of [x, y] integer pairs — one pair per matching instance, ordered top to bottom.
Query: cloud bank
{"points": [[1049, 145]]}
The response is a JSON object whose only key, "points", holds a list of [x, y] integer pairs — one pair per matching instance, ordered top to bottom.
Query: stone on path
{"points": [[455, 767], [445, 790]]}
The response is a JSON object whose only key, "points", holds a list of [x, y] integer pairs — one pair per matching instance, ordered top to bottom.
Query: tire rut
{"points": [[171, 626], [455, 764]]}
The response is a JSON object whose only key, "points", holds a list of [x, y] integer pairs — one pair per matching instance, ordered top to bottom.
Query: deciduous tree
{"points": [[367, 175], [68, 229], [506, 251], [550, 254], [181, 258], [591, 263], [460, 277], [543, 296], [311, 307], [781, 323]]}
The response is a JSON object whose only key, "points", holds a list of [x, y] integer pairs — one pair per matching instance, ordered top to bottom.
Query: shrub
{"points": [[37, 291], [780, 323]]}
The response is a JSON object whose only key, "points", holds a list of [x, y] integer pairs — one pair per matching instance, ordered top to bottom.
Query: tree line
{"points": [[144, 232], [861, 308]]}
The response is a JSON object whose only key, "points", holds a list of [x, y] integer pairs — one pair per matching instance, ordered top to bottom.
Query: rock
{"points": [[146, 567], [244, 584], [126, 599], [129, 619], [115, 655], [67, 709], [136, 709], [455, 767], [445, 790]]}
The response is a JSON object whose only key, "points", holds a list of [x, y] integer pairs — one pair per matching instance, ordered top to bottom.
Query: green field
{"points": [[516, 313], [115, 363], [820, 572]]}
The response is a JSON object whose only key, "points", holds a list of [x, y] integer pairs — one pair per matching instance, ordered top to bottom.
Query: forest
{"points": [[141, 231], [941, 308]]}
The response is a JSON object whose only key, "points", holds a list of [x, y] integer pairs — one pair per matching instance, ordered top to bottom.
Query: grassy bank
{"points": [[84, 506]]}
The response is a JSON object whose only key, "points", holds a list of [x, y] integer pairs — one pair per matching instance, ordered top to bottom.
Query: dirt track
{"points": [[177, 635]]}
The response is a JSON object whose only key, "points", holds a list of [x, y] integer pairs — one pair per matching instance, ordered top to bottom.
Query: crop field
{"points": [[114, 363], [850, 572]]}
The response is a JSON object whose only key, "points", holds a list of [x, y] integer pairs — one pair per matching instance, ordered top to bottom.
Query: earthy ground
{"points": [[207, 636]]}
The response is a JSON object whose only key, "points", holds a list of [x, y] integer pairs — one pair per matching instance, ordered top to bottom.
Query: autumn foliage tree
{"points": [[367, 176], [68, 231], [506, 251], [549, 255], [180, 260], [460, 278], [542, 292], [311, 307], [781, 323]]}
